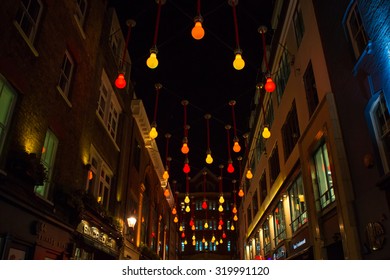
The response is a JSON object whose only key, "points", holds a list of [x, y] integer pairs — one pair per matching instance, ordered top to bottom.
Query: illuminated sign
{"points": [[299, 243]]}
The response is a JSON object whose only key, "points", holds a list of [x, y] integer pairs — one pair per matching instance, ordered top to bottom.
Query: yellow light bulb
{"points": [[197, 31], [152, 61], [238, 62], [153, 133], [266, 133], [236, 147], [185, 149], [209, 159], [249, 174], [165, 175], [240, 193], [187, 199], [221, 199], [220, 208], [188, 209], [235, 218], [175, 220], [206, 225], [232, 227], [181, 228], [193, 237], [203, 240], [221, 241], [185, 242], [193, 242], [217, 243], [206, 244]]}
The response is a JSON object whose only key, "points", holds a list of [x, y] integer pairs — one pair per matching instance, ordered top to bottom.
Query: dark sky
{"points": [[198, 71]]}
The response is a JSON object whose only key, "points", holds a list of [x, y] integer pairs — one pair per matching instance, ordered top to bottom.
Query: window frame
{"points": [[299, 25], [67, 76], [309, 82], [290, 131], [297, 201], [280, 233]]}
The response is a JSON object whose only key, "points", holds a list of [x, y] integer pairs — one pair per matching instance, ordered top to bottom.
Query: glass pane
{"points": [[6, 100]]}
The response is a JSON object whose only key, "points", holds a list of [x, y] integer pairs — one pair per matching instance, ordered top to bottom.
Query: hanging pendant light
{"points": [[197, 31], [152, 61], [238, 62], [269, 85], [153, 132], [236, 144], [185, 149], [209, 158], [186, 167], [230, 167], [249, 174], [204, 203]]}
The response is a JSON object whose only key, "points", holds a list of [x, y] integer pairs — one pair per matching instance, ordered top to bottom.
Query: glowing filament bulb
{"points": [[197, 31], [152, 61], [238, 62], [120, 82], [269, 85], [153, 133], [266, 133], [236, 147], [185, 149], [209, 158], [186, 168], [249, 174], [165, 175], [166, 192], [240, 193], [187, 199], [221, 199], [204, 204], [220, 208], [188, 209], [234, 210], [174, 211], [235, 218], [175, 220], [206, 225], [193, 227], [219, 227], [232, 227], [181, 228], [183, 235], [223, 235], [193, 237], [203, 240], [221, 241], [185, 242], [193, 242]]}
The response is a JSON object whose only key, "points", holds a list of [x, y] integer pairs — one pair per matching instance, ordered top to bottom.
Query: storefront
{"points": [[300, 246]]}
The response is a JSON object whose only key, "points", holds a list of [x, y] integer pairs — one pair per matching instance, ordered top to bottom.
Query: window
{"points": [[81, 11], [28, 17], [299, 26], [356, 32], [66, 74], [282, 75], [311, 89], [7, 103], [108, 106], [269, 117], [381, 120], [290, 131], [48, 156], [274, 166], [322, 177], [100, 184], [263, 188], [255, 203], [297, 204], [249, 213], [279, 223], [266, 238]]}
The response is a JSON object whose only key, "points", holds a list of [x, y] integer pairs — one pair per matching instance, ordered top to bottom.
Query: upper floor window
{"points": [[81, 11], [28, 17], [299, 26], [356, 31], [66, 75], [282, 76], [311, 89], [7, 103], [108, 106], [269, 117], [381, 119], [290, 131], [48, 156], [274, 165], [322, 178], [100, 184], [263, 188], [255, 203], [297, 204], [249, 213]]}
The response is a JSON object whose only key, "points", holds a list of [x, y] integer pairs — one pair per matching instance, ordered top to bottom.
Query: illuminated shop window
{"points": [[297, 204], [279, 223], [266, 238]]}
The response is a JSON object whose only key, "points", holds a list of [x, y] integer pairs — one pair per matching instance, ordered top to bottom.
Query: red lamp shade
{"points": [[120, 82], [270, 85], [186, 168], [230, 168], [204, 204]]}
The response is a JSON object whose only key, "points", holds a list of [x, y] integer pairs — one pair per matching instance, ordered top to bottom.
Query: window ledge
{"points": [[26, 39], [359, 62]]}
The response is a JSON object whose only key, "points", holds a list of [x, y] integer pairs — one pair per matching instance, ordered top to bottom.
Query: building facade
{"points": [[74, 164], [319, 188]]}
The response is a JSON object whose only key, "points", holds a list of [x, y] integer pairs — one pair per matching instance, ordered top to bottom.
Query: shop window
{"points": [[311, 89], [7, 103], [290, 131], [48, 156], [322, 178], [297, 204], [279, 223], [266, 238]]}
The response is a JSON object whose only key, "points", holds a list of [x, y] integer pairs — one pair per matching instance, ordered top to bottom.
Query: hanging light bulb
{"points": [[197, 31], [152, 61], [238, 62], [120, 81], [269, 85], [153, 132], [266, 133], [236, 145], [185, 149], [209, 158], [186, 167], [230, 167], [165, 174], [249, 174], [166, 192], [241, 192], [186, 199], [221, 199], [204, 204], [188, 208], [220, 208], [234, 210], [174, 211], [235, 218], [175, 220], [191, 222], [220, 222], [206, 225], [193, 227], [219, 227], [232, 227], [181, 228], [183, 235], [224, 235], [193, 237], [213, 239], [203, 240], [185, 241], [220, 241], [193, 242], [217, 243], [206, 244]]}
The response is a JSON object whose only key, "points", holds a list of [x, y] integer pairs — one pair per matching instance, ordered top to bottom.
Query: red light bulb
{"points": [[120, 82], [270, 85], [186, 168], [230, 168], [204, 204], [191, 222], [220, 222], [183, 234], [223, 235]]}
